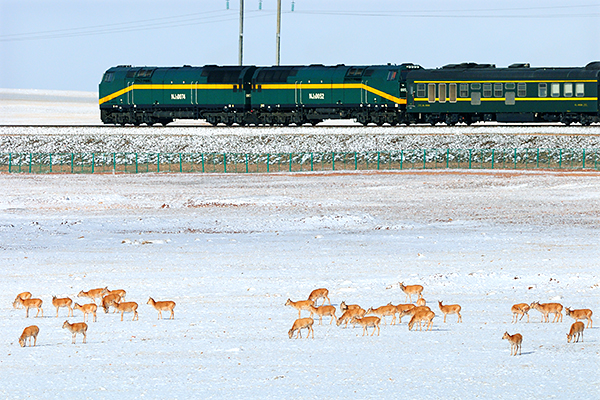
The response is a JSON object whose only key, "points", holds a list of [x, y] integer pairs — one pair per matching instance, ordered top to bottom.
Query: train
{"points": [[390, 94]]}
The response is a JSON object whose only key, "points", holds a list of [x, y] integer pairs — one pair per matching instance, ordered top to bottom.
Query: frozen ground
{"points": [[230, 250]]}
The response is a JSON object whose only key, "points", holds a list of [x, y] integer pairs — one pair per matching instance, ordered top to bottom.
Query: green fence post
{"points": [[493, 153], [378, 156], [424, 157], [447, 158], [515, 158], [401, 159], [560, 160], [30, 161], [93, 161], [311, 161], [333, 161], [9, 162], [50, 162], [157, 162], [225, 162], [246, 162], [290, 162], [355, 162], [136, 163], [537, 163], [180, 164]]}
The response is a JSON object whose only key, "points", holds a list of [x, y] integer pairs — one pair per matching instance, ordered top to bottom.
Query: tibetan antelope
{"points": [[410, 290], [119, 292], [94, 294], [319, 294], [21, 296], [110, 300], [63, 302], [421, 302], [30, 303], [300, 305], [129, 306], [161, 306], [344, 306], [547, 308], [87, 309], [403, 309], [450, 309], [520, 309], [324, 311], [383, 311], [584, 313], [349, 315], [420, 316], [366, 322], [300, 324], [78, 327], [575, 332], [29, 333], [515, 342]]}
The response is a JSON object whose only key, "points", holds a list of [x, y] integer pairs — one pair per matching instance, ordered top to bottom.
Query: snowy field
{"points": [[231, 249]]}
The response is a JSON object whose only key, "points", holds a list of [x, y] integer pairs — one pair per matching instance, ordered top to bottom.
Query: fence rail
{"points": [[86, 163]]}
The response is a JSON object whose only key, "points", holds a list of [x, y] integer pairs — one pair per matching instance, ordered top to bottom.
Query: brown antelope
{"points": [[410, 290], [119, 292], [94, 293], [319, 294], [21, 296], [110, 300], [62, 302], [421, 302], [30, 303], [300, 305], [129, 306], [161, 306], [344, 306], [547, 308], [87, 309], [403, 309], [450, 309], [520, 309], [323, 311], [383, 311], [584, 313], [349, 315], [420, 316], [366, 322], [300, 324], [78, 327], [575, 331], [29, 333], [515, 342]]}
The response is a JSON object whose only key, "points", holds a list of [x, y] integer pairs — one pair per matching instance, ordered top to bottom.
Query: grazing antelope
{"points": [[410, 290], [119, 292], [94, 293], [319, 294], [21, 296], [110, 300], [62, 302], [421, 302], [30, 303], [300, 305], [129, 306], [161, 306], [344, 306], [547, 308], [87, 309], [450, 309], [520, 309], [402, 310], [407, 310], [323, 311], [383, 311], [584, 313], [349, 315], [420, 316], [366, 322], [300, 324], [78, 327], [575, 331], [29, 333], [515, 342]]}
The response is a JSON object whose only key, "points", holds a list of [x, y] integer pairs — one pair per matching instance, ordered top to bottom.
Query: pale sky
{"points": [[68, 44]]}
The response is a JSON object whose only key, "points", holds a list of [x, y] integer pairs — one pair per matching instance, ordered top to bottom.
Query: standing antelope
{"points": [[410, 290], [119, 292], [94, 293], [319, 294], [21, 296], [110, 300], [62, 302], [421, 302], [30, 303], [300, 305], [129, 306], [161, 306], [344, 306], [547, 308], [87, 309], [450, 309], [520, 309], [402, 310], [323, 311], [383, 311], [584, 313], [349, 315], [420, 316], [366, 322], [300, 324], [78, 327], [575, 331], [29, 333], [515, 342]]}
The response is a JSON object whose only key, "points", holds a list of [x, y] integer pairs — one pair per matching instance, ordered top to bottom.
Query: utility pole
{"points": [[242, 31], [278, 37]]}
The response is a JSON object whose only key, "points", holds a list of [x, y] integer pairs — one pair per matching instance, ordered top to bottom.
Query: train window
{"points": [[355, 71], [392, 75], [109, 76], [475, 86], [509, 86], [522, 89], [542, 89], [568, 89], [579, 89], [420, 90], [464, 90], [487, 90], [555, 90], [442, 91], [452, 92], [498, 92], [431, 93], [475, 98], [509, 98]]}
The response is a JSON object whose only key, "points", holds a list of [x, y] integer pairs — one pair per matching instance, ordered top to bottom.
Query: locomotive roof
{"points": [[472, 71]]}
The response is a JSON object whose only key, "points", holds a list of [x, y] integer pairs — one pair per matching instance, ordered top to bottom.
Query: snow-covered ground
{"points": [[231, 249]]}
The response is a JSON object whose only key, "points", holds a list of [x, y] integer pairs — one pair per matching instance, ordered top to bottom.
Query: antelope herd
{"points": [[107, 298]]}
